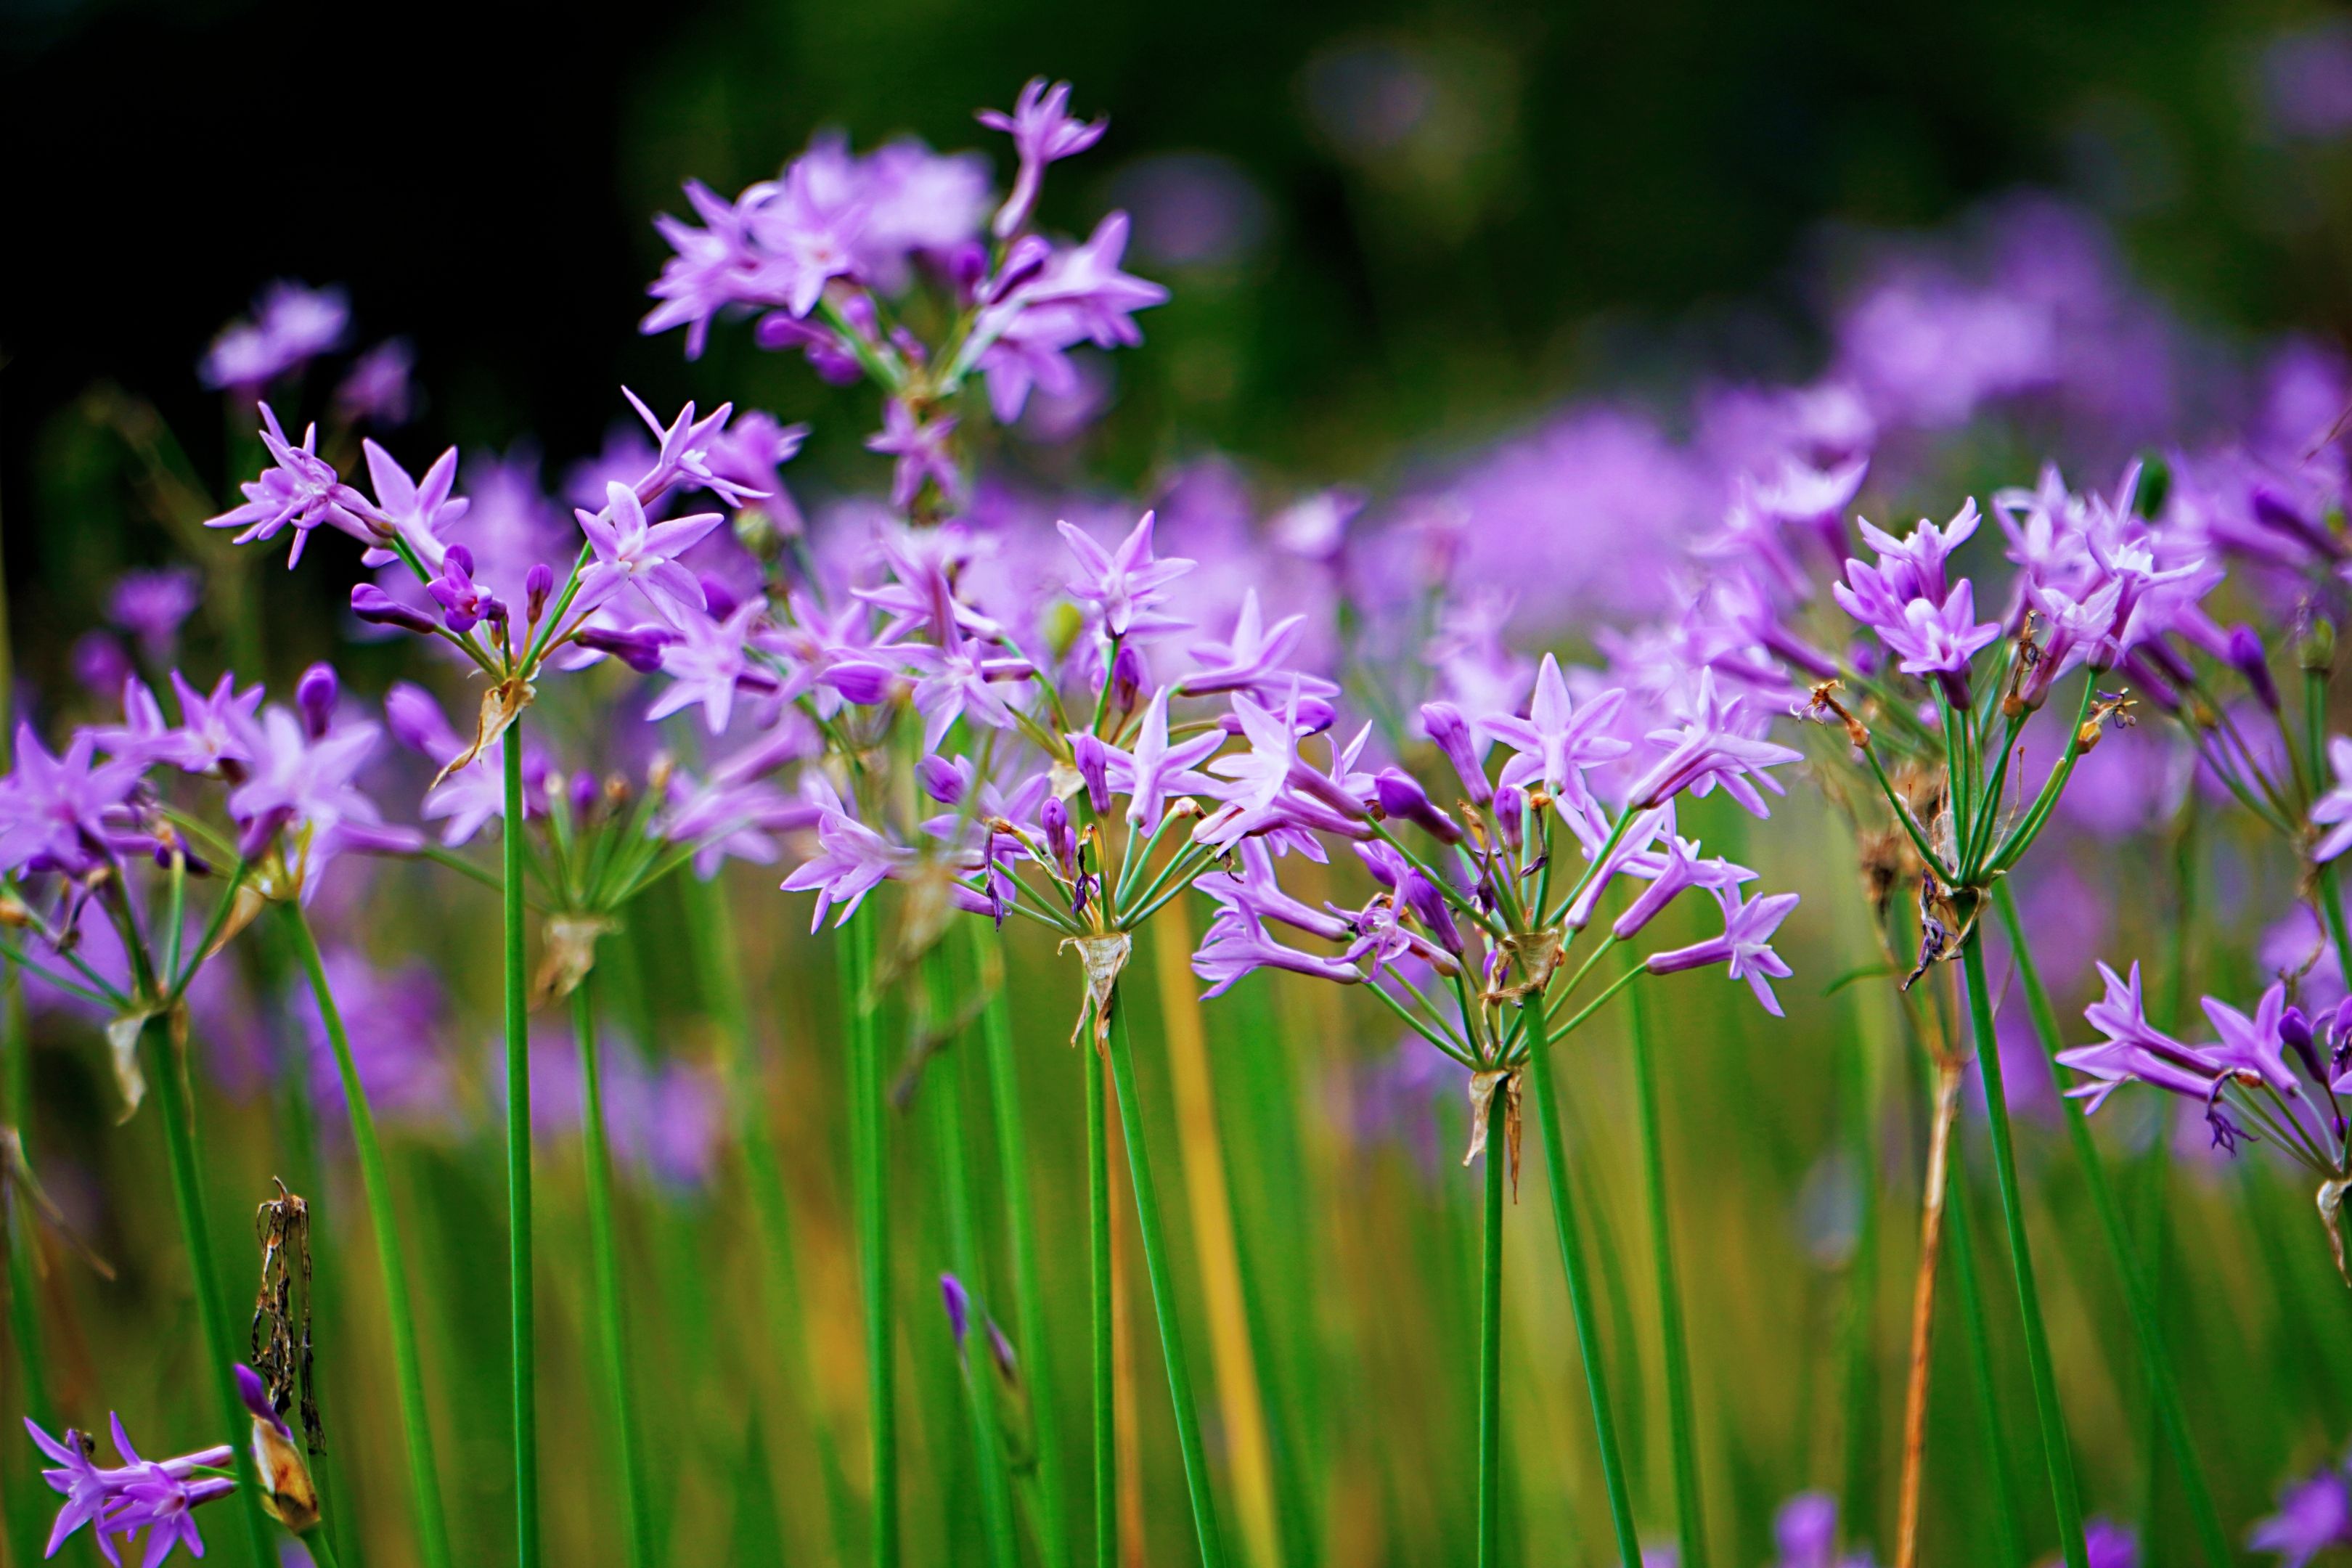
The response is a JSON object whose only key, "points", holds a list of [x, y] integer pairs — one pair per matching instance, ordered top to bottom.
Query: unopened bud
{"points": [[538, 585], [2316, 651], [2247, 658], [315, 696]]}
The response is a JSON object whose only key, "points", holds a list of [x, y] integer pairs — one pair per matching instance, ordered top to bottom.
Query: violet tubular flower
{"points": [[1042, 131], [300, 489], [1744, 946], [160, 1497]]}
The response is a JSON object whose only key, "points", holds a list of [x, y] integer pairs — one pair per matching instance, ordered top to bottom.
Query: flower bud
{"points": [[537, 586], [718, 598], [374, 606], [639, 647], [2316, 650], [2247, 658], [1126, 679], [862, 681], [315, 696], [1451, 733], [1093, 762], [940, 780], [1401, 795], [1511, 817], [1061, 839]]}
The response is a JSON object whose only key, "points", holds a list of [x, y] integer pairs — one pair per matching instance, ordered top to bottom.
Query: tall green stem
{"points": [[719, 968], [944, 1087], [870, 1161], [375, 1185], [1100, 1286], [1028, 1287], [1580, 1291], [1163, 1295], [2139, 1300], [522, 1317], [612, 1323], [219, 1350], [1490, 1362], [1681, 1426], [2056, 1450], [25, 1533], [2008, 1533]]}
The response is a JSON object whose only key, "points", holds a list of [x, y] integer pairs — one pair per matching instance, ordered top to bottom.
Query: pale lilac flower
{"points": [[1042, 131], [807, 236], [1079, 295], [292, 325], [376, 390], [923, 452], [299, 487], [418, 511], [630, 550], [1124, 588], [463, 604], [150, 607], [1939, 639], [1251, 659], [707, 663], [960, 679], [217, 731], [1556, 742], [1714, 747], [1153, 770], [303, 784], [2333, 810], [61, 812], [852, 860], [1678, 867], [1255, 893], [1236, 945], [1746, 945], [2252, 1044], [2134, 1049], [157, 1496], [2313, 1515]]}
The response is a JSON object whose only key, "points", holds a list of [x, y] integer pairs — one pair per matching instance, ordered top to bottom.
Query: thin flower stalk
{"points": [[869, 1156], [375, 1181], [605, 1261], [1102, 1283], [522, 1320], [2164, 1388], [1682, 1435], [2009, 1531]]}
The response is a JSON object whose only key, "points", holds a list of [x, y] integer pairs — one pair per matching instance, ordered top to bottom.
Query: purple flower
{"points": [[1042, 132], [807, 234], [1077, 295], [292, 325], [376, 390], [921, 448], [299, 487], [419, 512], [630, 550], [1124, 588], [464, 605], [150, 606], [1250, 659], [707, 663], [960, 679], [1453, 736], [1556, 742], [1713, 747], [1150, 772], [302, 786], [1400, 796], [2333, 810], [63, 813], [852, 860], [1670, 872], [1254, 893], [1236, 944], [1746, 945], [393, 1021], [2134, 1049], [157, 1496], [2313, 1515], [2107, 1544]]}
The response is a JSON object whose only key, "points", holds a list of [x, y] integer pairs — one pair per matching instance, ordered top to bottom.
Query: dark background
{"points": [[1590, 196]]}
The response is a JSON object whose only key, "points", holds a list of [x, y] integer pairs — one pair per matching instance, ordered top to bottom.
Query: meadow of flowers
{"points": [[983, 1023]]}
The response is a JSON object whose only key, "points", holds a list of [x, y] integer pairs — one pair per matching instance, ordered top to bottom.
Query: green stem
{"points": [[710, 929], [943, 1087], [869, 1178], [375, 1185], [604, 1256], [1028, 1286], [1580, 1289], [1163, 1295], [2139, 1300], [23, 1304], [521, 1319], [219, 1348], [1490, 1362], [1106, 1423], [1680, 1426], [2056, 1450], [2008, 1534], [320, 1547]]}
